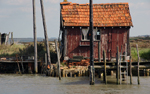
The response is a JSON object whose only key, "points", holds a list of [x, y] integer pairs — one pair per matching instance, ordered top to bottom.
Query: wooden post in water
{"points": [[46, 36], [0, 38], [35, 39], [99, 51], [58, 58], [104, 60], [117, 61], [18, 64], [22, 64], [92, 70], [130, 70], [138, 79]]}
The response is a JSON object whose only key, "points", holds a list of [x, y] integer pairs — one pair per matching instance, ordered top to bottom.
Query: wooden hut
{"points": [[112, 22]]}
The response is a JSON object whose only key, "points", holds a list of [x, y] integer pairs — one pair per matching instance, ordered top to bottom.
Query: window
{"points": [[85, 34], [98, 34]]}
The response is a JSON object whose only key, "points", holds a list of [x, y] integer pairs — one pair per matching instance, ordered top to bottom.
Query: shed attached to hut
{"points": [[112, 22]]}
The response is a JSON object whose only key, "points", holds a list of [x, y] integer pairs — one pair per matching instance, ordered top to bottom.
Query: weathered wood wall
{"points": [[110, 38]]}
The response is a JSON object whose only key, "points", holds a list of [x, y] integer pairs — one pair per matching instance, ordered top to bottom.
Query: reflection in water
{"points": [[39, 84]]}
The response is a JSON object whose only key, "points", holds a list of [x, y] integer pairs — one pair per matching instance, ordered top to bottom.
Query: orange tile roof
{"points": [[104, 15]]}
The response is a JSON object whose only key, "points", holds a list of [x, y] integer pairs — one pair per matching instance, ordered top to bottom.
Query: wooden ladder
{"points": [[123, 67]]}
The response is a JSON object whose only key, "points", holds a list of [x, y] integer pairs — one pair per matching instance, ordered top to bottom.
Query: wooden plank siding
{"points": [[110, 39]]}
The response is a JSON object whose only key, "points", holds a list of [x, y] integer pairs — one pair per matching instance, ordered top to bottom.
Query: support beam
{"points": [[46, 36], [0, 38], [35, 39], [128, 43], [99, 51], [58, 58], [117, 61], [92, 70], [130, 70], [105, 73], [138, 73]]}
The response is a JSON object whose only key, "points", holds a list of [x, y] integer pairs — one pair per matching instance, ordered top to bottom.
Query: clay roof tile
{"points": [[108, 14]]}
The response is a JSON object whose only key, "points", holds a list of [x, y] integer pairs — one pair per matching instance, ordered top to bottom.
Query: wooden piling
{"points": [[45, 33], [0, 38], [35, 39], [99, 51], [45, 58], [58, 59], [104, 59], [117, 61], [18, 64], [22, 64], [92, 70], [130, 70], [63, 72], [112, 72], [147, 72], [99, 73], [138, 73], [70, 74]]}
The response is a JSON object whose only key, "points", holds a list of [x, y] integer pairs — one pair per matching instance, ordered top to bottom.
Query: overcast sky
{"points": [[16, 16]]}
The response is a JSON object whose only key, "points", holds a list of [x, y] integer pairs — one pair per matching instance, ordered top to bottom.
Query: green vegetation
{"points": [[140, 38], [143, 46], [10, 50], [26, 50], [143, 53]]}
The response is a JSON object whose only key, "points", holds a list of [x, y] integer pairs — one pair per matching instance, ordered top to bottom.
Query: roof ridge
{"points": [[70, 3]]}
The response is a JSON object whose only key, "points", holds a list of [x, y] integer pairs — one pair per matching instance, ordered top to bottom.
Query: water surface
{"points": [[39, 84]]}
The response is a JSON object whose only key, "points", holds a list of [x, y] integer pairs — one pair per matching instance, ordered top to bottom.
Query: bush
{"points": [[26, 50], [145, 55]]}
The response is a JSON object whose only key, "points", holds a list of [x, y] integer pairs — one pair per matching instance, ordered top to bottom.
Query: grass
{"points": [[143, 46], [10, 50], [26, 50], [143, 53]]}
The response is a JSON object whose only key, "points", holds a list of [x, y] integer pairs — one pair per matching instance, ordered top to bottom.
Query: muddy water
{"points": [[39, 84]]}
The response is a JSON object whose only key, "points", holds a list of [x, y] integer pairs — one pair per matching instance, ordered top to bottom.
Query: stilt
{"points": [[46, 36], [0, 38], [35, 39], [99, 51], [45, 58], [58, 59], [104, 59], [117, 61], [18, 64], [22, 64], [92, 70], [130, 70], [63, 72], [112, 72], [147, 72], [99, 73], [70, 74], [92, 75], [138, 79]]}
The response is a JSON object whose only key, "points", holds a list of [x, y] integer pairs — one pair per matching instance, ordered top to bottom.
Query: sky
{"points": [[16, 16]]}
